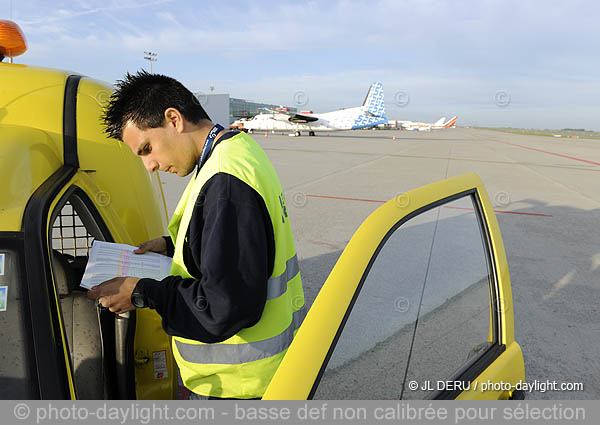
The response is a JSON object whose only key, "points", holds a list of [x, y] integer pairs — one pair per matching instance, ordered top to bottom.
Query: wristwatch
{"points": [[138, 299]]}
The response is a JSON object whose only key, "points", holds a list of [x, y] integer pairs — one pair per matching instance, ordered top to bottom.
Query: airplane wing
{"points": [[293, 117]]}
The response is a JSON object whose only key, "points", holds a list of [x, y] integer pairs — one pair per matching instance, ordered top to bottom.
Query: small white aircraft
{"points": [[370, 114], [423, 126]]}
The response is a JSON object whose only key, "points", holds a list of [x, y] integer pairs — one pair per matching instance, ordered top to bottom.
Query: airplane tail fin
{"points": [[374, 103], [372, 111], [439, 122], [451, 122]]}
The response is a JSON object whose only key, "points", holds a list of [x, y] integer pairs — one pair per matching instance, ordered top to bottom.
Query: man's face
{"points": [[162, 148]]}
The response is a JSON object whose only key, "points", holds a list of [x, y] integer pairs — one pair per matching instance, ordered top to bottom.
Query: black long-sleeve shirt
{"points": [[229, 251]]}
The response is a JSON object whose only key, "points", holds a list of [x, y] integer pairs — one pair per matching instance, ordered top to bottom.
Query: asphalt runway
{"points": [[546, 193]]}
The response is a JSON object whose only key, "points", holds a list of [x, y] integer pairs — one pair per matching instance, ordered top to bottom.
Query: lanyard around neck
{"points": [[208, 143]]}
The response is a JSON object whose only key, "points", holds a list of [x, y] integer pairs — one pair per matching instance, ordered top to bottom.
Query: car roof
{"points": [[31, 114], [32, 119]]}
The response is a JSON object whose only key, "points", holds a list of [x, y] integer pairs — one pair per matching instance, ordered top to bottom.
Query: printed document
{"points": [[108, 260]]}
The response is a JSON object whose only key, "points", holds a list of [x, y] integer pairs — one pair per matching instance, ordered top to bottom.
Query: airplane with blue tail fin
{"points": [[369, 114]]}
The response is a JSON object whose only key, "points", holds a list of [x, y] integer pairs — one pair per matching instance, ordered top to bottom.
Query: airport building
{"points": [[224, 110]]}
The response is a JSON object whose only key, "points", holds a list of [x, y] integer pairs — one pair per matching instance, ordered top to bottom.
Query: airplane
{"points": [[370, 114], [422, 126]]}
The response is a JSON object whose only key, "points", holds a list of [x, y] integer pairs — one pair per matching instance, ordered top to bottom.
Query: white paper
{"points": [[108, 260]]}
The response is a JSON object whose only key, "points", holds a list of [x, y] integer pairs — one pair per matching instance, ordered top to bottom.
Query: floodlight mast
{"points": [[150, 57]]}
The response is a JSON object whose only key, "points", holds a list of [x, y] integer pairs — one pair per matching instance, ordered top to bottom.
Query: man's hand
{"points": [[155, 245], [115, 294]]}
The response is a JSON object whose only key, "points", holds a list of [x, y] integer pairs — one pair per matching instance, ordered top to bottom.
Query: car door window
{"points": [[422, 310], [453, 325], [17, 379]]}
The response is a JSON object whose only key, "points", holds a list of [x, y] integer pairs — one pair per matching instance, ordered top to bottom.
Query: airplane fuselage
{"points": [[370, 114], [345, 119]]}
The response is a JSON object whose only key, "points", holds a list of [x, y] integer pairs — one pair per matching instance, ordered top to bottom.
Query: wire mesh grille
{"points": [[69, 235]]}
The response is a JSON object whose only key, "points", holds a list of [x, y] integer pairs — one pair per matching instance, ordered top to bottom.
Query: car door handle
{"points": [[141, 358]]}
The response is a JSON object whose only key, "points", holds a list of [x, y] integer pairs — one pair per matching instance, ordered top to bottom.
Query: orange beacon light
{"points": [[12, 40]]}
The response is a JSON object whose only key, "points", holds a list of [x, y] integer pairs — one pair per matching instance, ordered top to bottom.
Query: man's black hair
{"points": [[142, 98]]}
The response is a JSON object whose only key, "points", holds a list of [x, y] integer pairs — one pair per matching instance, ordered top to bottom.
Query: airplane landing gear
{"points": [[297, 133], [311, 133]]}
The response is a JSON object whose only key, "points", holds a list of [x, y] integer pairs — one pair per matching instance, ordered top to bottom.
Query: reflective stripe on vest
{"points": [[277, 285], [241, 353]]}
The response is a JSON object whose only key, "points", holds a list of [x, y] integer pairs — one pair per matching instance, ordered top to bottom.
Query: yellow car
{"points": [[64, 185], [418, 306]]}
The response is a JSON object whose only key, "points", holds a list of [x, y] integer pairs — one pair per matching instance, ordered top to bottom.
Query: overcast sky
{"points": [[492, 63]]}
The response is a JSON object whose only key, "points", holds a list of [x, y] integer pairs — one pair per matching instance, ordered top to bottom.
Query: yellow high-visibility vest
{"points": [[243, 365]]}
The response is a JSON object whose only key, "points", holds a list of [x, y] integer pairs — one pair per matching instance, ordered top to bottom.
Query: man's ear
{"points": [[174, 119]]}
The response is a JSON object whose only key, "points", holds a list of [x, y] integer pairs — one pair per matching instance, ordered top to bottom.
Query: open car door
{"points": [[418, 306]]}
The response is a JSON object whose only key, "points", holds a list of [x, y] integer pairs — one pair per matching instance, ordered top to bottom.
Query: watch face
{"points": [[138, 300]]}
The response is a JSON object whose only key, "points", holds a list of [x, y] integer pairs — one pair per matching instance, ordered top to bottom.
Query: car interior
{"points": [[99, 341]]}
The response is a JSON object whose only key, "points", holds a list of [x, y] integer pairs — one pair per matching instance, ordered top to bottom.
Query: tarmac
{"points": [[546, 194]]}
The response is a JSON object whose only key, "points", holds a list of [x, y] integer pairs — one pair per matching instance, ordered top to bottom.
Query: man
{"points": [[234, 298]]}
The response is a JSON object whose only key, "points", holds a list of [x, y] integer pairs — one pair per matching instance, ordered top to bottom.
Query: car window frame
{"points": [[373, 234], [51, 363], [471, 369]]}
